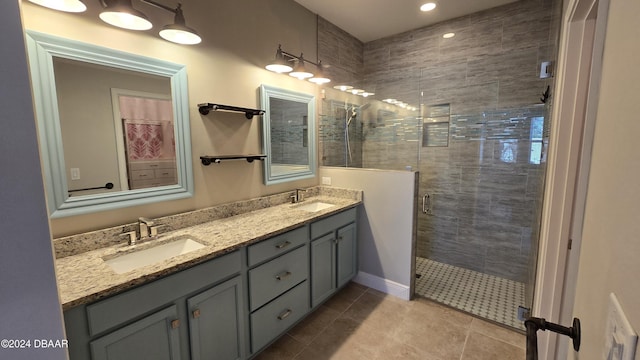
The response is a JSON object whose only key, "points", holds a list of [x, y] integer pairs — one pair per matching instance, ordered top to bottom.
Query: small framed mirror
{"points": [[113, 126], [288, 134]]}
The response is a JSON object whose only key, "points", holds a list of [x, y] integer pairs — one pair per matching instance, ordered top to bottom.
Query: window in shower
{"points": [[536, 134]]}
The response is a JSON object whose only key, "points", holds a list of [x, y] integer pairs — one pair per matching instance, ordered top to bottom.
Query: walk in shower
{"points": [[469, 113]]}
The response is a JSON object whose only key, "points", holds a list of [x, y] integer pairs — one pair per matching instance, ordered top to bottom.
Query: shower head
{"points": [[356, 109], [352, 115]]}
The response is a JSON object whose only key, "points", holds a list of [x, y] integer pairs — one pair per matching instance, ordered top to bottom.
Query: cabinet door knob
{"points": [[283, 244], [283, 275], [196, 313], [285, 314], [175, 324]]}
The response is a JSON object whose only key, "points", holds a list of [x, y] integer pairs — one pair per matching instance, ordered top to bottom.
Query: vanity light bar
{"points": [[122, 14], [282, 65]]}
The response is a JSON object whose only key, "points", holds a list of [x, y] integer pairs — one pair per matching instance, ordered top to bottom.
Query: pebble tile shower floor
{"points": [[487, 296]]}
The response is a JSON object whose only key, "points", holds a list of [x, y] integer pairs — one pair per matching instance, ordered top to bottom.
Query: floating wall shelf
{"points": [[205, 108], [207, 160]]}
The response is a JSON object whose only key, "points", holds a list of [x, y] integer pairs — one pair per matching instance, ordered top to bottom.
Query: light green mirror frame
{"points": [[42, 49], [289, 136]]}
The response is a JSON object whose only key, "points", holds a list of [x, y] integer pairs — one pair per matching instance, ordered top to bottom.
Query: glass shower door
{"points": [[480, 193]]}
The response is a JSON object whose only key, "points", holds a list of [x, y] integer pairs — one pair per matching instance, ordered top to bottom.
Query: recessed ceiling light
{"points": [[428, 6], [449, 35]]}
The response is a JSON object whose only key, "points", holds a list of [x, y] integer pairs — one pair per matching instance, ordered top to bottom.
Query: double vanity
{"points": [[221, 283]]}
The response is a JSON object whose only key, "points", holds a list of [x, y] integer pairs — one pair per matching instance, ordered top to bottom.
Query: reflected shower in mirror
{"points": [[113, 126], [289, 134]]}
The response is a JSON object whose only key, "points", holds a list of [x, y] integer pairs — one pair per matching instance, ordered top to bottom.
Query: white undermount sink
{"points": [[314, 206], [138, 258]]}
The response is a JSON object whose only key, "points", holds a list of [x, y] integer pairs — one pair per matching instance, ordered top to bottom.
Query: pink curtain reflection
{"points": [[148, 128]]}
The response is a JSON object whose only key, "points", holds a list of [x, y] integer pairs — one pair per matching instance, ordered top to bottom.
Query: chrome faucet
{"points": [[295, 197], [145, 226]]}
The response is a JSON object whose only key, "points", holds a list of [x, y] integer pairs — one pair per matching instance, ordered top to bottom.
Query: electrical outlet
{"points": [[75, 174], [326, 180], [620, 338]]}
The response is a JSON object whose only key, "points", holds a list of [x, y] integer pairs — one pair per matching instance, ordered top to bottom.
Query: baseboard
{"points": [[383, 285]]}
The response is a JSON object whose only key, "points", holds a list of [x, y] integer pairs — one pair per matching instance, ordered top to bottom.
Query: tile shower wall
{"points": [[341, 51], [344, 53], [335, 150], [483, 188], [486, 189]]}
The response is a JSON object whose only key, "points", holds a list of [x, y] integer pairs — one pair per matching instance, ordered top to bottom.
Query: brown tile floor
{"points": [[362, 323]]}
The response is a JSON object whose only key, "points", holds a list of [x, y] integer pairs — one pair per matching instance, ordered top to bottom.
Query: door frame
{"points": [[573, 118]]}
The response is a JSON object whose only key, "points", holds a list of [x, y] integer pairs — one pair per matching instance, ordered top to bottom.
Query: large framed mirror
{"points": [[113, 126], [288, 134]]}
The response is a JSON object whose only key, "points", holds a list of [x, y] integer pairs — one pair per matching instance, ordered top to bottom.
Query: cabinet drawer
{"points": [[150, 165], [165, 173], [142, 175], [333, 222], [277, 245], [271, 279], [128, 305], [275, 318]]}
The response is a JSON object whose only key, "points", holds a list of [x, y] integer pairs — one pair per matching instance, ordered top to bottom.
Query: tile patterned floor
{"points": [[487, 296], [359, 323]]}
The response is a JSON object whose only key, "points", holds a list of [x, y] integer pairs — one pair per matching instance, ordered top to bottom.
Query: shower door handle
{"points": [[426, 204]]}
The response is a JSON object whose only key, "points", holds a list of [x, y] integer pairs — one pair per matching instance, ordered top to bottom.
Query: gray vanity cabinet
{"points": [[333, 254], [346, 254], [323, 268], [278, 285], [228, 308], [187, 315], [216, 324], [154, 337]]}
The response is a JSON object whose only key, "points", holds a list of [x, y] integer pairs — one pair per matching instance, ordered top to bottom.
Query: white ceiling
{"points": [[369, 20]]}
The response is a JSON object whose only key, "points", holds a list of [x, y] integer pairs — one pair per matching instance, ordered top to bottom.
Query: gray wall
{"points": [[342, 51], [485, 206], [385, 237], [29, 299]]}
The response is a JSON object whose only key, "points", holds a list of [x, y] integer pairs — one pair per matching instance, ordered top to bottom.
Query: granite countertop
{"points": [[85, 277]]}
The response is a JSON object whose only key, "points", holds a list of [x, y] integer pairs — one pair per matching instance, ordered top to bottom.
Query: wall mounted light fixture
{"points": [[62, 5], [121, 13], [178, 32], [283, 61], [280, 64], [300, 70], [320, 77]]}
